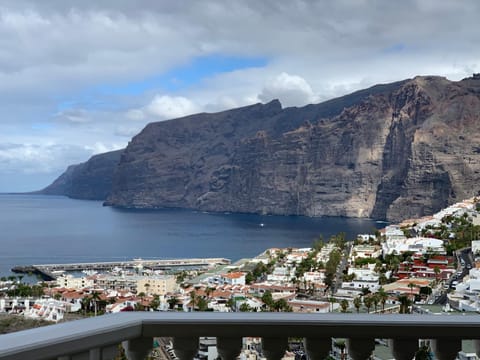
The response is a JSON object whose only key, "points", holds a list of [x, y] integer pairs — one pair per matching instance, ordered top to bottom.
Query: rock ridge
{"points": [[392, 151]]}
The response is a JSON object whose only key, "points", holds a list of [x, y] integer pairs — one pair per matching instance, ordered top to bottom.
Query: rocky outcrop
{"points": [[389, 152], [91, 180]]}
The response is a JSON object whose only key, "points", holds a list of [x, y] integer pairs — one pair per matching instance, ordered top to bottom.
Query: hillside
{"points": [[392, 151], [91, 180]]}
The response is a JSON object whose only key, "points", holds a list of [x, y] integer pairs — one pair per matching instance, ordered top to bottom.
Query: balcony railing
{"points": [[98, 338]]}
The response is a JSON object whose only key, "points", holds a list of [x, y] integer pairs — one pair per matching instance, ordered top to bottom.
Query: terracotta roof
{"points": [[234, 275]]}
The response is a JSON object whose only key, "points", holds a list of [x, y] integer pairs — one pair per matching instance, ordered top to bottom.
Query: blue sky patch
{"points": [[184, 76]]}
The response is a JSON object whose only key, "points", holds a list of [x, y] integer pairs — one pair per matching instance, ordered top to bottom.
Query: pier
{"points": [[51, 271]]}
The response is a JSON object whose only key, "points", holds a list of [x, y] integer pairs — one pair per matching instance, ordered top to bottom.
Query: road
{"points": [[465, 262]]}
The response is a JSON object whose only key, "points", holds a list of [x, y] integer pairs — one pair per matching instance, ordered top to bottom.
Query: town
{"points": [[428, 265]]}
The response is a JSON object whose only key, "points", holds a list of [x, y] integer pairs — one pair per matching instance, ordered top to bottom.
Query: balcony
{"points": [[98, 338]]}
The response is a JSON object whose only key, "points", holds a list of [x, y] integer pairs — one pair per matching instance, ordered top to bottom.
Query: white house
{"points": [[234, 278]]}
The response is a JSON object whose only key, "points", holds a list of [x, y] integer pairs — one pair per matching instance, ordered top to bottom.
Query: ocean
{"points": [[36, 229]]}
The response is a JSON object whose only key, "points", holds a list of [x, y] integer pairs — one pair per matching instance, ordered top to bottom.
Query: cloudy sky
{"points": [[80, 80]]}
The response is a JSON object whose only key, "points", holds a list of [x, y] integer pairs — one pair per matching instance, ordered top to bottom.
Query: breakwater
{"points": [[51, 271]]}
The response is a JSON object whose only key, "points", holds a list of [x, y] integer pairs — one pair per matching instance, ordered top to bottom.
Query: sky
{"points": [[78, 78]]}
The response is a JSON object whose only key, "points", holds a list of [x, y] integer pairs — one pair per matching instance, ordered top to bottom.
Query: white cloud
{"points": [[55, 52], [291, 90], [164, 107], [135, 114], [74, 116], [99, 147], [39, 158]]}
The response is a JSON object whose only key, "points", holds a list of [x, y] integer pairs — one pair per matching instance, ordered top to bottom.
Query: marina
{"points": [[52, 271]]}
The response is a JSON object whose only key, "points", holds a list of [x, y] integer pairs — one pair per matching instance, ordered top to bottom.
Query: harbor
{"points": [[52, 271]]}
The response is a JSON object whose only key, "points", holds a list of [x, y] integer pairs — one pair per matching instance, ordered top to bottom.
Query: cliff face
{"points": [[393, 151], [91, 180]]}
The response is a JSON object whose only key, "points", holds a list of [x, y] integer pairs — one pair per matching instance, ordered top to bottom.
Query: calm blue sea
{"points": [[37, 229]]}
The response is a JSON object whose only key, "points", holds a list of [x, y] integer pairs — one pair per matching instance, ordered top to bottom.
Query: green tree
{"points": [[411, 285], [209, 291], [383, 296], [94, 298], [193, 299], [267, 299], [375, 300], [172, 302], [357, 302], [368, 302], [155, 303], [405, 303], [202, 304], [281, 305], [344, 305], [245, 307], [424, 353]]}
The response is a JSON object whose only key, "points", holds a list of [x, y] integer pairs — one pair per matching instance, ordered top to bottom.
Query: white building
{"points": [[365, 237], [418, 245], [476, 247], [365, 251], [282, 274], [314, 276], [234, 278], [70, 282], [156, 284]]}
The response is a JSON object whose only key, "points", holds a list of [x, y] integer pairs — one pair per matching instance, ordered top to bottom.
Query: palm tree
{"points": [[411, 285], [209, 291], [383, 296], [94, 297], [193, 298], [375, 300], [332, 301], [368, 301], [172, 302], [357, 302], [155, 303], [85, 304], [202, 304], [404, 304], [245, 307]]}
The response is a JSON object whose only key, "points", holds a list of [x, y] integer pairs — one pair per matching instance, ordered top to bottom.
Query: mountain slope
{"points": [[392, 151], [91, 180]]}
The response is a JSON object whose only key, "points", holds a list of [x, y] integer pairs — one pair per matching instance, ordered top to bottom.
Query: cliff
{"points": [[392, 151], [91, 180]]}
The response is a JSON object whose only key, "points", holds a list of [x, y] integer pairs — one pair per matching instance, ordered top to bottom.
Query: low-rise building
{"points": [[234, 278], [71, 282], [156, 285], [310, 306]]}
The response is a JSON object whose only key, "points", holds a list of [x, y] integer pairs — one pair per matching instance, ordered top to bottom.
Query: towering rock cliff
{"points": [[389, 152], [91, 180]]}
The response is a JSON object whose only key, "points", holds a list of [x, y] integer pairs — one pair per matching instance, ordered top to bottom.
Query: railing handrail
{"points": [[107, 330]]}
